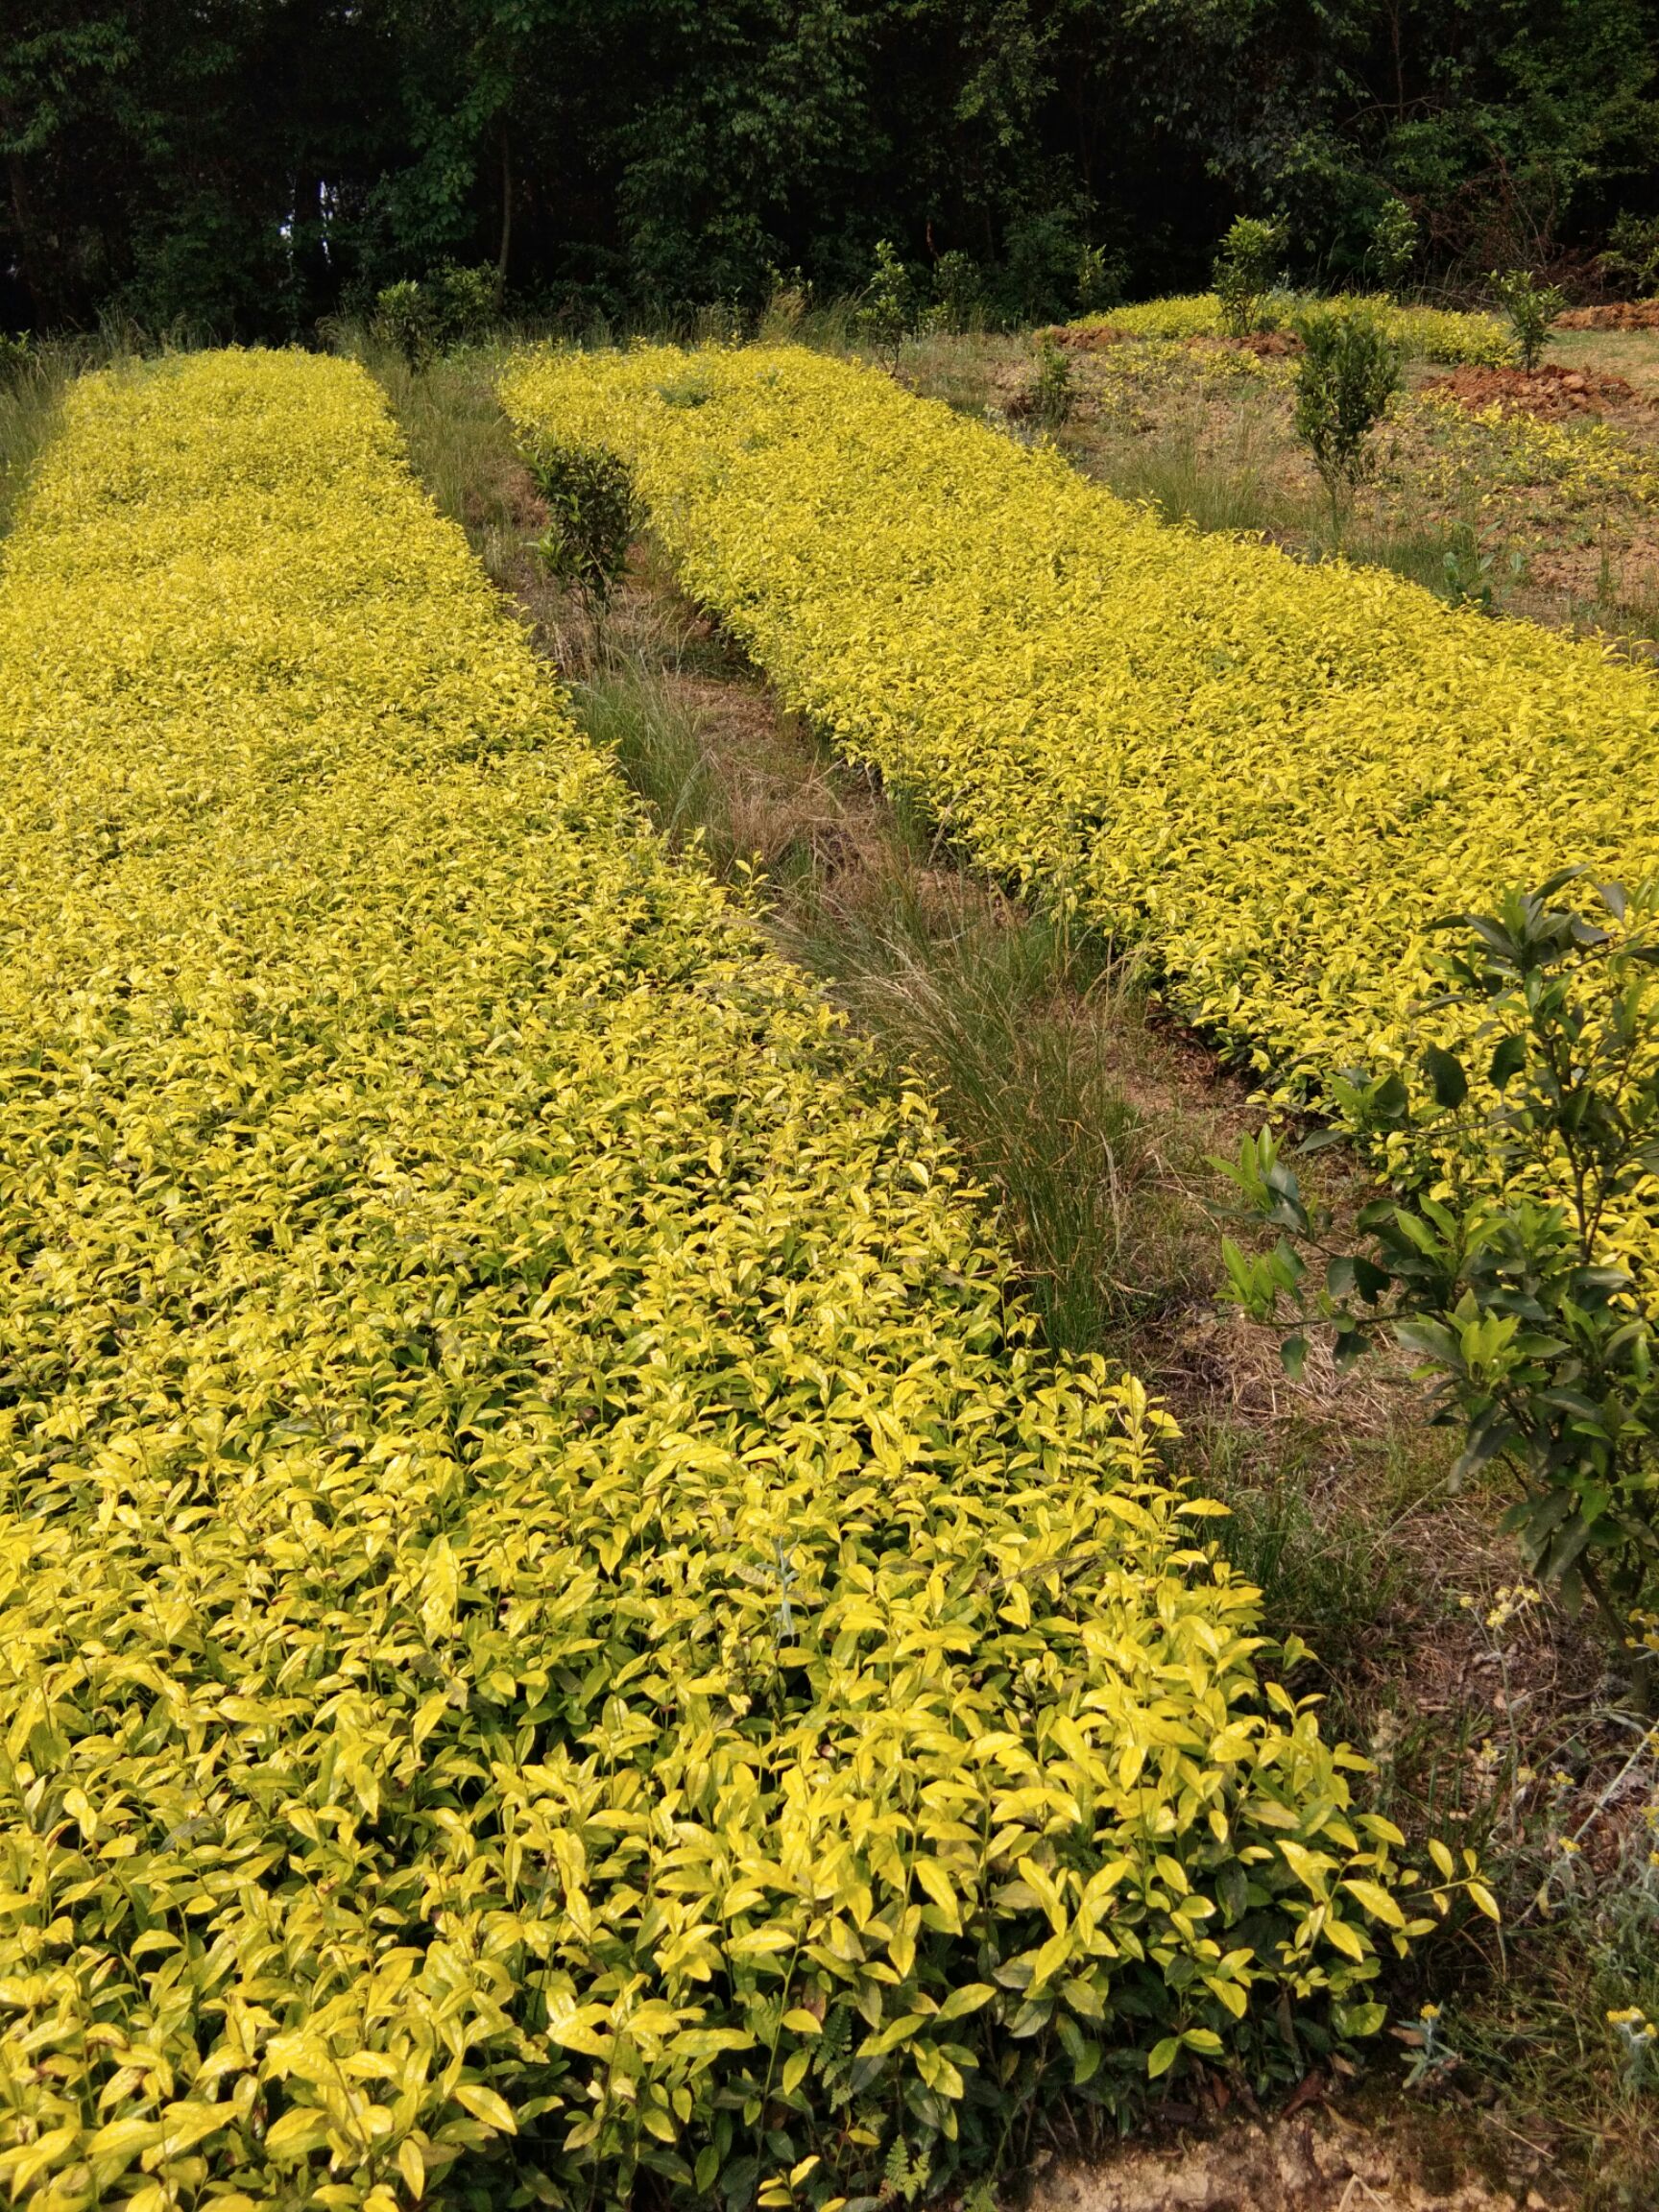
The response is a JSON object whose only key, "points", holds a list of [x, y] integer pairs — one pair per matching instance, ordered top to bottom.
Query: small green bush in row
{"points": [[418, 317]]}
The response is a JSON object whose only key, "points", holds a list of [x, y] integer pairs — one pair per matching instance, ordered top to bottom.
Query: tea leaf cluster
{"points": [[1245, 267], [1531, 308], [1348, 373], [592, 516], [1539, 1349]]}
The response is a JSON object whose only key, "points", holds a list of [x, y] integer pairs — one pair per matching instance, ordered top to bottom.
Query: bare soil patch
{"points": [[1618, 315], [1081, 337], [1550, 391], [1316, 2157]]}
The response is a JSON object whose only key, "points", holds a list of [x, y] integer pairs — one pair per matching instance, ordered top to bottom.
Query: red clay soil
{"points": [[1622, 315], [1080, 337], [1096, 337], [1265, 345], [1549, 390]]}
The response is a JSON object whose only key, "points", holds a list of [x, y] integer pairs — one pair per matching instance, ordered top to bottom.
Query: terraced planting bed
{"points": [[1530, 496], [1275, 777]]}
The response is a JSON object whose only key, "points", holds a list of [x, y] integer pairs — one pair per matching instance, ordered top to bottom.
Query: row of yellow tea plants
{"points": [[1422, 333], [1589, 463], [1274, 774], [554, 1630]]}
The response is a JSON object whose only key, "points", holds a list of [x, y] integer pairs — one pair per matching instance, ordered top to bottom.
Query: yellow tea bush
{"points": [[1421, 333], [1591, 464], [1275, 774], [548, 1608]]}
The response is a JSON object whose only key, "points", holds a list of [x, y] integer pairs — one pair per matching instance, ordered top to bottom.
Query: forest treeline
{"points": [[243, 167]]}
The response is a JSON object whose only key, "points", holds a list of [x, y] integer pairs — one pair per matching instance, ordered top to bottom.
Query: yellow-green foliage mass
{"points": [[1422, 333], [1591, 464], [1275, 774], [543, 1591]]}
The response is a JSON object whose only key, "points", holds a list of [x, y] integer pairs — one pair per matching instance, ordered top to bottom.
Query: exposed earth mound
{"points": [[1618, 315], [1549, 390], [1325, 2161]]}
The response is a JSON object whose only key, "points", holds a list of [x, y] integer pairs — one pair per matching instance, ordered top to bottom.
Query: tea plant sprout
{"points": [[1394, 242], [1245, 267], [888, 304], [1532, 307], [405, 322], [1053, 394], [594, 514]]}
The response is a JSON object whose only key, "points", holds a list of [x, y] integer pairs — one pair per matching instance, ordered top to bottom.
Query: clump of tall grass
{"points": [[33, 377], [1012, 1018]]}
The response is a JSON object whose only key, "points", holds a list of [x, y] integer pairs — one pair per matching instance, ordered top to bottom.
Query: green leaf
{"points": [[1508, 1058], [1446, 1077]]}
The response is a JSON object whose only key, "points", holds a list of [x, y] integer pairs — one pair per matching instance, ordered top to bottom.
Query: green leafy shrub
{"points": [[1394, 242], [1632, 254], [1245, 270], [1100, 277], [958, 301], [468, 303], [887, 304], [1530, 306], [405, 319], [17, 355], [1348, 371], [1054, 391], [593, 516], [1539, 1350]]}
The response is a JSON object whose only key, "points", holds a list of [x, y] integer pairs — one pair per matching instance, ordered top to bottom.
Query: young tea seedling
{"points": [[1530, 306], [1348, 373], [1517, 1148]]}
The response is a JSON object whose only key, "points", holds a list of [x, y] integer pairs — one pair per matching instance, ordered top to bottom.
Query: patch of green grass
{"points": [[460, 447], [1182, 481], [661, 750], [1011, 1021]]}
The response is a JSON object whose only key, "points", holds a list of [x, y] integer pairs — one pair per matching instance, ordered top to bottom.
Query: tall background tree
{"points": [[243, 166]]}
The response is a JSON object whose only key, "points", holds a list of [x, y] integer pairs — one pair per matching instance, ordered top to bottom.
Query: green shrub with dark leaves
{"points": [[1395, 241], [1246, 264], [887, 306], [1530, 306], [405, 319], [1348, 373], [594, 514], [1546, 1085]]}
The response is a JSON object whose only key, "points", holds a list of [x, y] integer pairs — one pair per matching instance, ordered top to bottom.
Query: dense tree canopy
{"points": [[246, 165]]}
